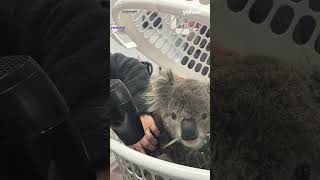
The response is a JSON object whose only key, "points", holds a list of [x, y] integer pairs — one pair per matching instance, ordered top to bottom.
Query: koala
{"points": [[181, 109], [266, 118]]}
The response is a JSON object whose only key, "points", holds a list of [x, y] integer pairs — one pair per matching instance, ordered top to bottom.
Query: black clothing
{"points": [[68, 39], [133, 74]]}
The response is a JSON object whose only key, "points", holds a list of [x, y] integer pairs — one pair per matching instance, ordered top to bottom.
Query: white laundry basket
{"points": [[284, 29], [174, 34], [137, 166]]}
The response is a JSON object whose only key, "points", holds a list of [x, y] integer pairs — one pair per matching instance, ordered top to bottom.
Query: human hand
{"points": [[148, 142]]}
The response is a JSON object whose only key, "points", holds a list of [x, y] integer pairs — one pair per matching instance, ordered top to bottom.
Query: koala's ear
{"points": [[167, 77], [159, 92]]}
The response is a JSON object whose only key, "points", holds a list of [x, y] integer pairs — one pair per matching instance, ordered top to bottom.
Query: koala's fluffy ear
{"points": [[167, 77], [159, 92]]}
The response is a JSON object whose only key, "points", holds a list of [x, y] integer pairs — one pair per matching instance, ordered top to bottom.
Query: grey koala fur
{"points": [[186, 98], [266, 119]]}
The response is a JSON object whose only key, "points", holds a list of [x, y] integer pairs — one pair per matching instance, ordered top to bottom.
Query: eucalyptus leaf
{"points": [[171, 142]]}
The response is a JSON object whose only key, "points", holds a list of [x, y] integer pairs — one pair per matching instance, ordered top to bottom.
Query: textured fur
{"points": [[186, 98], [266, 118]]}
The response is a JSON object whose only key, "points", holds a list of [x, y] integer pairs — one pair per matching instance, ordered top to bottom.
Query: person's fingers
{"points": [[179, 78], [148, 122], [154, 129], [150, 137], [147, 145], [138, 147], [141, 149]]}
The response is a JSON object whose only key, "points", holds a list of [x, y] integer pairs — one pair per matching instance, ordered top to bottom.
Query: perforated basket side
{"points": [[283, 29], [172, 39], [137, 166]]}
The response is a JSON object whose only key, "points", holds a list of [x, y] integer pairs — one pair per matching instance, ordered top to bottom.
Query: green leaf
{"points": [[171, 142]]}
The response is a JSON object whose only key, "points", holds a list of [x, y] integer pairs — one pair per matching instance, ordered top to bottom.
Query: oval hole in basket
{"points": [[296, 1], [236, 5], [314, 5], [260, 10], [153, 16], [141, 18], [168, 19], [282, 20], [157, 22], [145, 24], [196, 26], [203, 29], [161, 30], [304, 30], [147, 33], [208, 33], [166, 34], [190, 36], [172, 37], [153, 38], [196, 40], [178, 42], [159, 43], [203, 43], [317, 44], [185, 46], [208, 47], [165, 48], [190, 50], [172, 52], [197, 54], [178, 56], [203, 57], [184, 60], [208, 61], [191, 64], [198, 67], [205, 71], [125, 162], [129, 168], [137, 172], [147, 174], [157, 177]]}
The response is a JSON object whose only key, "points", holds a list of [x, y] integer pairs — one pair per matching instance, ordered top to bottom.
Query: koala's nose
{"points": [[189, 129]]}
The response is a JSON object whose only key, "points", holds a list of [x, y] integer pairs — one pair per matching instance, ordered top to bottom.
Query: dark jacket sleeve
{"points": [[68, 39], [133, 74]]}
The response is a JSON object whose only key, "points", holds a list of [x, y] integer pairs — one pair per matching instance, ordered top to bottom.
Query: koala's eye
{"points": [[173, 115], [204, 116]]}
